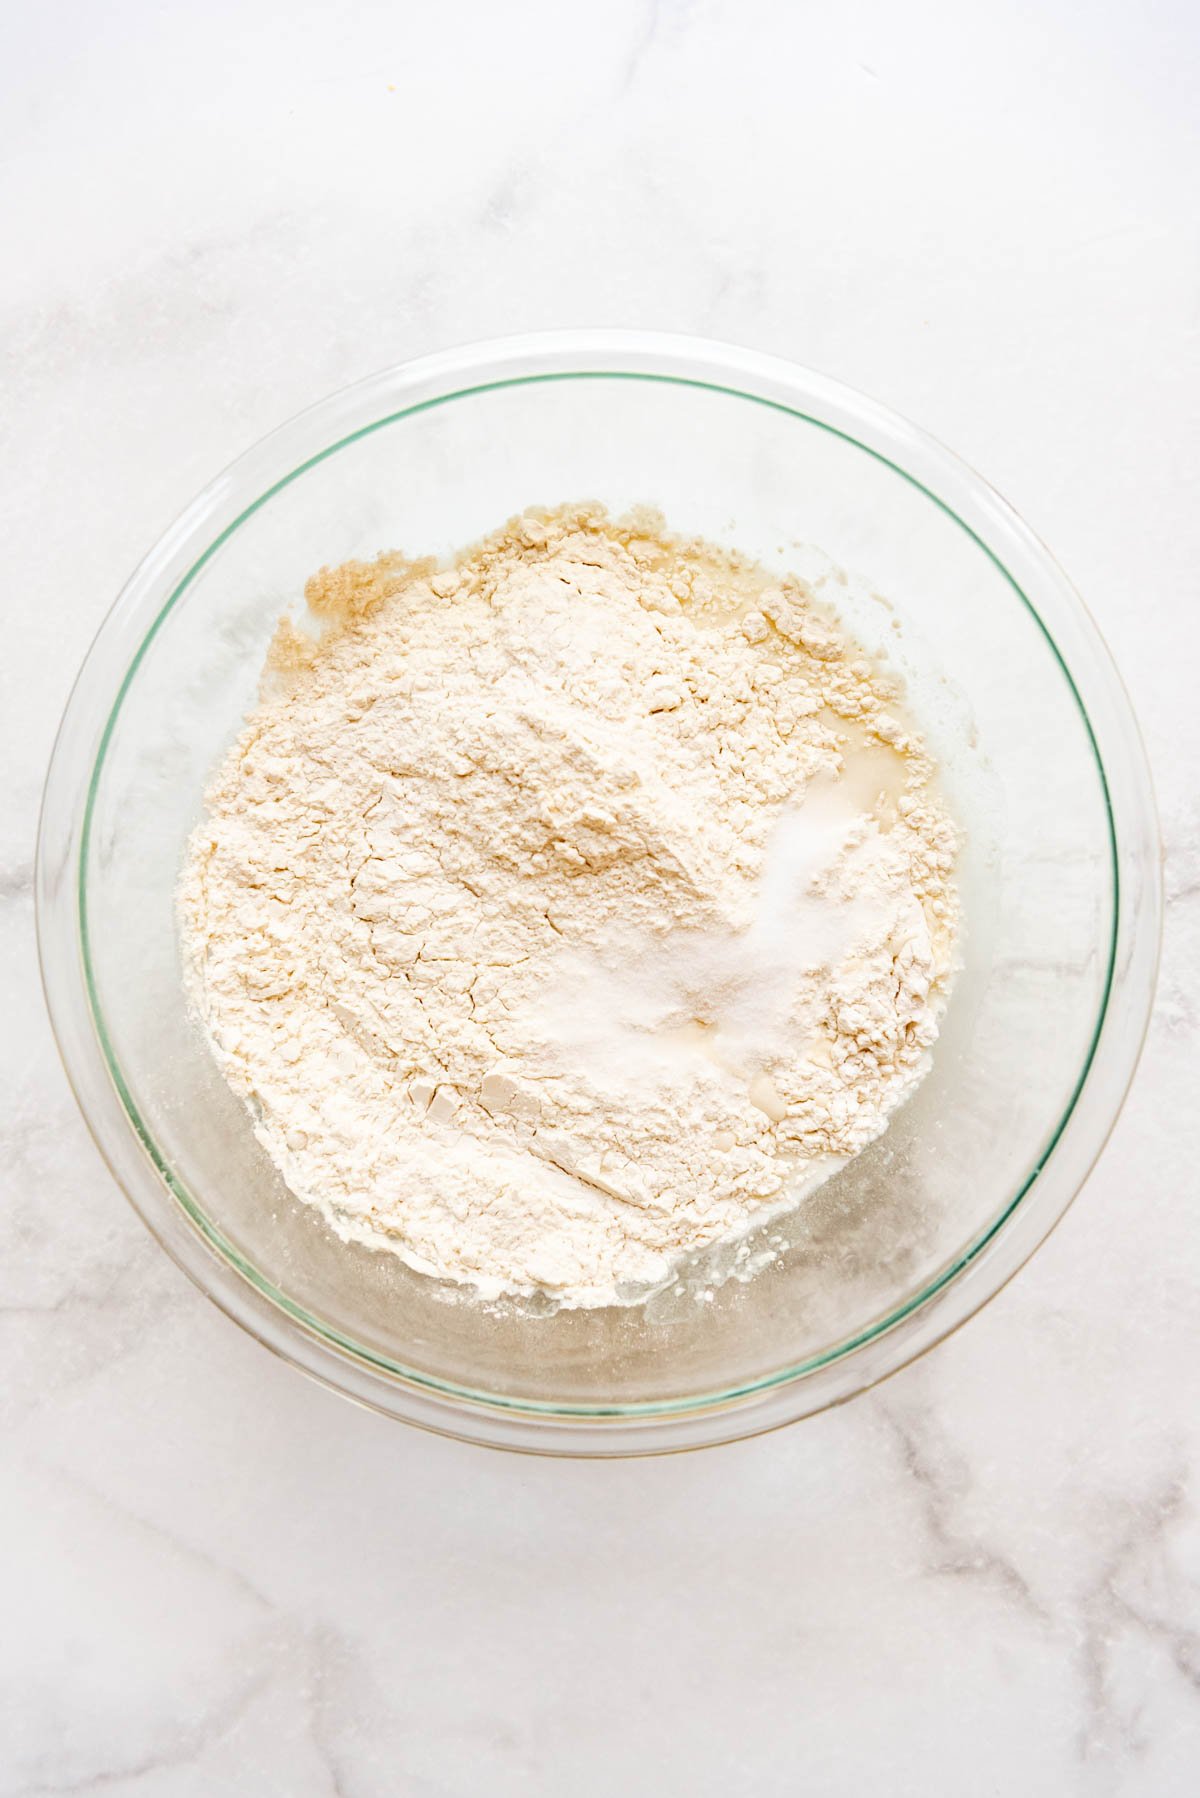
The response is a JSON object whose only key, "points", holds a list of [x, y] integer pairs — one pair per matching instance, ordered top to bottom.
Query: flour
{"points": [[570, 909]]}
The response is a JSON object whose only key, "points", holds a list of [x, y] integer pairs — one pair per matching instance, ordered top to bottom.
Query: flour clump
{"points": [[569, 909]]}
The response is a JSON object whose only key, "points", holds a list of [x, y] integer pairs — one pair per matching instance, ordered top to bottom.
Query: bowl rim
{"points": [[176, 1217]]}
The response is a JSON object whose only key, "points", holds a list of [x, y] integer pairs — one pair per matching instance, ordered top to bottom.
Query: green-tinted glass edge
{"points": [[345, 1344]]}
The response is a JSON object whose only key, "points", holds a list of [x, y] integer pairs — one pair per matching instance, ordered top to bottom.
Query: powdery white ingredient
{"points": [[571, 909]]}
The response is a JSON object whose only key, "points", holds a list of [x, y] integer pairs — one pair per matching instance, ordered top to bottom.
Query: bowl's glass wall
{"points": [[985, 682]]}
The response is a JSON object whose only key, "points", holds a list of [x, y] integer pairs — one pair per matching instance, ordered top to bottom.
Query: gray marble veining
{"points": [[986, 1576]]}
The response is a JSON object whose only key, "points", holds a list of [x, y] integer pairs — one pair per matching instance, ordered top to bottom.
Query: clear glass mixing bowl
{"points": [[1013, 687]]}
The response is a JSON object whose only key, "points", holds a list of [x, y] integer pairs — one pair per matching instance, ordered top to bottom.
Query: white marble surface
{"points": [[985, 1578]]}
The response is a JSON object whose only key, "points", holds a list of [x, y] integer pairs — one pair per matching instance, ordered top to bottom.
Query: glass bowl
{"points": [[1011, 684]]}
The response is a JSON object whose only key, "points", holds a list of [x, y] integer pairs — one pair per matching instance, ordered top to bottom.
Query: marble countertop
{"points": [[219, 1578]]}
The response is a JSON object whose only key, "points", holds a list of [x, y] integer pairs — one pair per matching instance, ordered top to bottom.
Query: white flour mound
{"points": [[570, 909]]}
